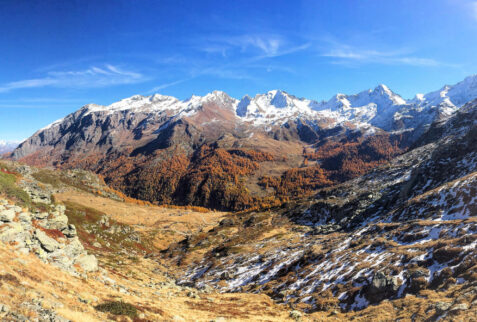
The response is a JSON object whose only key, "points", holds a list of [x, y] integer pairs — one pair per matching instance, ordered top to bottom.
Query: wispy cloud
{"points": [[473, 9], [259, 46], [269, 46], [345, 54], [239, 57], [218, 71], [224, 71], [109, 75], [166, 85], [42, 102]]}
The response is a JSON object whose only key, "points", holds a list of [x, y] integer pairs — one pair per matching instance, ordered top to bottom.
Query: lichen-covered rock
{"points": [[7, 215], [25, 217], [58, 222], [69, 231], [10, 232], [48, 243], [89, 263]]}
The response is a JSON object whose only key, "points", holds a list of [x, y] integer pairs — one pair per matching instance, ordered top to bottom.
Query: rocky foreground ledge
{"points": [[46, 234]]}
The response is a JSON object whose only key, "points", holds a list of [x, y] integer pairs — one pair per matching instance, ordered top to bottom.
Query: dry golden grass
{"points": [[166, 224], [27, 278], [30, 279]]}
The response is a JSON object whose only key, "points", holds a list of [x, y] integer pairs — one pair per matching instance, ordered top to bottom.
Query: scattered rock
{"points": [[7, 215], [41, 215], [25, 217], [104, 220], [58, 222], [227, 222], [249, 222], [70, 231], [11, 232], [48, 243], [89, 263], [225, 276], [382, 287], [193, 294], [441, 307], [459, 307], [4, 309], [296, 315], [219, 319]]}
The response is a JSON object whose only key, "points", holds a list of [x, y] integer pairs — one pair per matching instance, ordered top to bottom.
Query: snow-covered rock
{"points": [[379, 107], [8, 146]]}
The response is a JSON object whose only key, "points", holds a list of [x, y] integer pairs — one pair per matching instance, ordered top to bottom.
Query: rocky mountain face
{"points": [[220, 152], [403, 230], [398, 242]]}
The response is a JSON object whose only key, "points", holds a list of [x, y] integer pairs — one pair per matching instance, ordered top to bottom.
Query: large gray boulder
{"points": [[7, 215], [58, 222], [70, 231], [11, 232], [48, 243], [74, 248], [87, 262], [382, 287]]}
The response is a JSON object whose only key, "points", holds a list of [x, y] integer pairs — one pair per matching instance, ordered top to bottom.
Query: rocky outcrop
{"points": [[7, 215], [46, 234], [382, 287]]}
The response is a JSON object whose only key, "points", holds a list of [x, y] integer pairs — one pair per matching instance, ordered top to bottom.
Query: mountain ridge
{"points": [[265, 107], [271, 147]]}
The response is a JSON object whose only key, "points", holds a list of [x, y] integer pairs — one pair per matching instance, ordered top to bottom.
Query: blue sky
{"points": [[56, 56]]}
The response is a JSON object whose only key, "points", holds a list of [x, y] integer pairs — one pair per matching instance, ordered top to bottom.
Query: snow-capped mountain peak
{"points": [[382, 89], [219, 96], [453, 96], [279, 99], [242, 105], [275, 106], [379, 106], [8, 146]]}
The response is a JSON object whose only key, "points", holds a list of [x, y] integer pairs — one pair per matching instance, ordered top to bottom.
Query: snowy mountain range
{"points": [[379, 107], [334, 140], [8, 146]]}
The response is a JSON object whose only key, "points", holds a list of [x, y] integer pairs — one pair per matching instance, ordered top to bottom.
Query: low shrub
{"points": [[9, 188], [117, 308]]}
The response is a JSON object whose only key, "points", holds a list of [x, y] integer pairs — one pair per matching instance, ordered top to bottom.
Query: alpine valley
{"points": [[222, 153], [267, 208]]}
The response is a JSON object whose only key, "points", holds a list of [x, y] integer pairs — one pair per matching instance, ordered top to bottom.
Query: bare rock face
{"points": [[7, 215], [59, 222], [407, 227], [48, 243], [88, 262], [382, 287]]}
